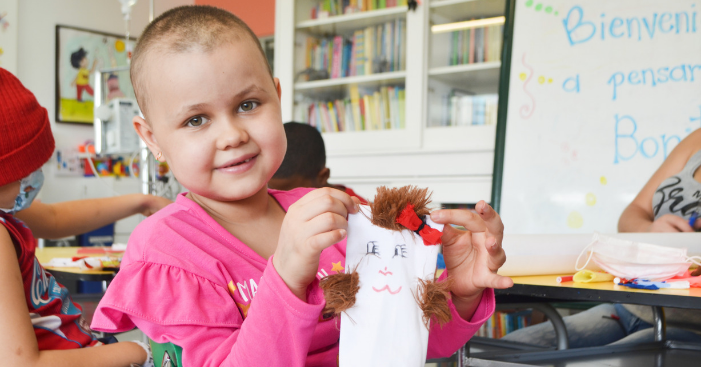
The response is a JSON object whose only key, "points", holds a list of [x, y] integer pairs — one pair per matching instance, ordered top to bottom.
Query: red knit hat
{"points": [[26, 142]]}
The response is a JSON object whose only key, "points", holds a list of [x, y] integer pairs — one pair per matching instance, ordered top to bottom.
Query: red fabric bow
{"points": [[409, 219]]}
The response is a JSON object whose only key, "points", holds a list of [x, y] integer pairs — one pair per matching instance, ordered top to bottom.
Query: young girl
{"points": [[230, 271], [41, 326]]}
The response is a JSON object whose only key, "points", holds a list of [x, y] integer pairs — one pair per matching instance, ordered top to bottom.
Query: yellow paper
{"points": [[588, 276]]}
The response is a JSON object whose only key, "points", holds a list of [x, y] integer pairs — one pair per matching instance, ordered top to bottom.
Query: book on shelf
{"points": [[329, 8], [475, 45], [374, 49], [461, 108], [381, 109], [502, 323]]}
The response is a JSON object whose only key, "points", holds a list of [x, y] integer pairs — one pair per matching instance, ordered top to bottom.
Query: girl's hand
{"points": [[491, 219], [315, 222], [472, 257]]}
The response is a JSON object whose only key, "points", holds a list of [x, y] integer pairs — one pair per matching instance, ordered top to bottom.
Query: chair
{"points": [[166, 354]]}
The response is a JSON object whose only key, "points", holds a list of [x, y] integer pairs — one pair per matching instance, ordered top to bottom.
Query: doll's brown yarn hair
{"points": [[389, 202], [339, 291], [433, 300]]}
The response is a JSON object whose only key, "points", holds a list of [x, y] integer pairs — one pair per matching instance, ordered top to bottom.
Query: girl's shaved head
{"points": [[184, 29]]}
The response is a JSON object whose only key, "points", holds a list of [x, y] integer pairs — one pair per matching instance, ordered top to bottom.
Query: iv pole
{"points": [[148, 166]]}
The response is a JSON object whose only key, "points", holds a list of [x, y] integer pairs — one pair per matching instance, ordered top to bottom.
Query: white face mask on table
{"points": [[631, 260]]}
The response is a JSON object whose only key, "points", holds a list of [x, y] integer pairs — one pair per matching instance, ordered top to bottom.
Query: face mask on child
{"points": [[28, 190], [631, 260]]}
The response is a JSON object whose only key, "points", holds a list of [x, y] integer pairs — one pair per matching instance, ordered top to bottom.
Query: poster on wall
{"points": [[8, 35], [79, 53]]}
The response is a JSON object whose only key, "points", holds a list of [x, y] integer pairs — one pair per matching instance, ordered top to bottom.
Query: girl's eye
{"points": [[247, 106], [197, 121]]}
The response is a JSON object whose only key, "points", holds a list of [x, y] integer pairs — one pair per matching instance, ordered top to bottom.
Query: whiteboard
{"points": [[599, 93]]}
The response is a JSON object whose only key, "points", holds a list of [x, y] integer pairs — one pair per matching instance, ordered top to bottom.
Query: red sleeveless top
{"points": [[58, 322]]}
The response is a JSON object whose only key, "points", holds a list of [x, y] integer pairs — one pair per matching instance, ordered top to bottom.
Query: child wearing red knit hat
{"points": [[47, 328]]}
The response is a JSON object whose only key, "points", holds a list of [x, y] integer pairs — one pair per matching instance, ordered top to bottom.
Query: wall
{"points": [[259, 14], [37, 49], [36, 70]]}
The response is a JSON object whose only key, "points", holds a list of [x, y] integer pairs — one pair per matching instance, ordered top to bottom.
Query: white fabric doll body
{"points": [[385, 326]]}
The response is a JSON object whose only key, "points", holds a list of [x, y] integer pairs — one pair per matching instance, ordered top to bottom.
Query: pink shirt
{"points": [[186, 280]]}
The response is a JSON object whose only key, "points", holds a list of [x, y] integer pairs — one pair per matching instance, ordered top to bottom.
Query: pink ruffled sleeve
{"points": [[170, 304], [444, 341]]}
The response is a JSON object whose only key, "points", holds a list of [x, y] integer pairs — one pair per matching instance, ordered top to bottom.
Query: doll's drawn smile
{"points": [[386, 288]]}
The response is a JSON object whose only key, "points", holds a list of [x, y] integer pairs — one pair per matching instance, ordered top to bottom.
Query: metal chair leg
{"points": [[552, 314], [659, 327], [463, 354]]}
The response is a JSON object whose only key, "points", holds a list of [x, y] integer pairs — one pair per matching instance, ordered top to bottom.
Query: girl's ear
{"points": [[279, 89], [145, 131], [322, 178]]}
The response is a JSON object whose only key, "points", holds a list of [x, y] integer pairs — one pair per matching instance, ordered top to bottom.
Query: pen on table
{"points": [[565, 279]]}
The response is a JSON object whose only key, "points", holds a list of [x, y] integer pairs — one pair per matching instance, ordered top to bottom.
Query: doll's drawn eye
{"points": [[248, 105], [197, 121], [373, 249], [399, 250]]}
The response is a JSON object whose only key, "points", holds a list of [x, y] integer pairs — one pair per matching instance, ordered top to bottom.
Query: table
{"points": [[69, 276], [542, 288], [531, 290]]}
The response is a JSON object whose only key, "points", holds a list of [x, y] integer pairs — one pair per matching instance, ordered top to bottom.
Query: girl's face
{"points": [[215, 116]]}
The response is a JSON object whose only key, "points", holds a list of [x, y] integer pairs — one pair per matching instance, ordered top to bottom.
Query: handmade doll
{"points": [[387, 297]]}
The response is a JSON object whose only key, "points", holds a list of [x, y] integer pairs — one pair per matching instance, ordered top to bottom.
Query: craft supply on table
{"points": [[85, 262], [589, 276], [565, 279], [650, 285]]}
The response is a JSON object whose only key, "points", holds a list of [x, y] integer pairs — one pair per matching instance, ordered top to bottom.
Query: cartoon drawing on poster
{"points": [[80, 53]]}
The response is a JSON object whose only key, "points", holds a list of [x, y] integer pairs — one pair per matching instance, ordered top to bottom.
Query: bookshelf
{"points": [[465, 9], [348, 22], [463, 75], [371, 80], [389, 153]]}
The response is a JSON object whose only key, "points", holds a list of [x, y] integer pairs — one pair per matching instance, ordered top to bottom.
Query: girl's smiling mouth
{"points": [[239, 165]]}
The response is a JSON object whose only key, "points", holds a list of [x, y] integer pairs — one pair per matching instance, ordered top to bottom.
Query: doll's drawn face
{"points": [[84, 62], [388, 259], [388, 262]]}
